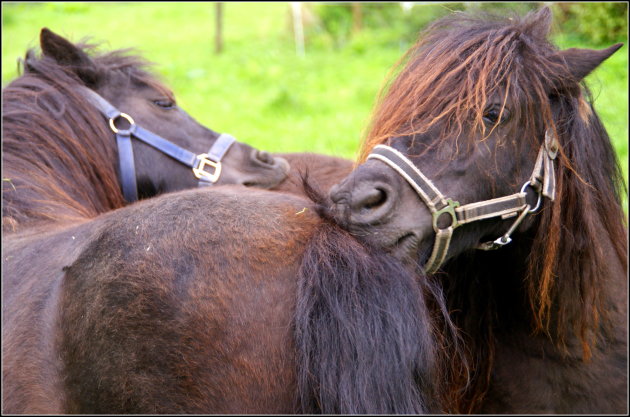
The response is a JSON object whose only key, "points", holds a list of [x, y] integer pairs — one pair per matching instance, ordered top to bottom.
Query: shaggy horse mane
{"points": [[457, 64], [445, 80], [58, 153], [346, 284]]}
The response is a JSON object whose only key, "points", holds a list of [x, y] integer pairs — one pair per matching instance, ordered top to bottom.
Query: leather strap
{"points": [[100, 103], [220, 147], [216, 153], [180, 154], [127, 167], [543, 178], [421, 184], [502, 206], [440, 249]]}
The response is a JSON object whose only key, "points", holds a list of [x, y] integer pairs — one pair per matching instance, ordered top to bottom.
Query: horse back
{"points": [[184, 303]]}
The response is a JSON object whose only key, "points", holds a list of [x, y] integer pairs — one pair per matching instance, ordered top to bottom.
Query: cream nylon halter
{"points": [[542, 181]]}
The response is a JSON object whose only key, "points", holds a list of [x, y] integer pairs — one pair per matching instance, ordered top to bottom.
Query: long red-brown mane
{"points": [[444, 81], [59, 156]]}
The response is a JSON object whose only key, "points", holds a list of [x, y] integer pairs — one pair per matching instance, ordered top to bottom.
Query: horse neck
{"points": [[58, 154], [490, 289], [494, 297]]}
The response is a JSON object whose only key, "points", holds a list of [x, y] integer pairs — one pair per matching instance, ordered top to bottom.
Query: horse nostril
{"points": [[264, 157], [337, 193], [372, 199], [363, 202]]}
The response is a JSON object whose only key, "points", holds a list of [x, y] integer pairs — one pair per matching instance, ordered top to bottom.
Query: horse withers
{"points": [[487, 166]]}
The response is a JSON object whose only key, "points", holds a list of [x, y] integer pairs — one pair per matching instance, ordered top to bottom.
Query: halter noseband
{"points": [[125, 151], [542, 181]]}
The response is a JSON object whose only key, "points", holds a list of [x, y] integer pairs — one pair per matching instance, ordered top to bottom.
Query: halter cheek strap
{"points": [[196, 162], [542, 181]]}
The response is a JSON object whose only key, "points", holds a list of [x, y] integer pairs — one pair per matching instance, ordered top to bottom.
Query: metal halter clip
{"points": [[205, 175], [505, 239], [497, 244]]}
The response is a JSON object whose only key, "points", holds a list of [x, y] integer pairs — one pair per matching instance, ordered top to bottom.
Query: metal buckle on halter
{"points": [[123, 132], [205, 175], [450, 209]]}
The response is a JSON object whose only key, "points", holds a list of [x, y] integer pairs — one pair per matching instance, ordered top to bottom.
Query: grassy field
{"points": [[258, 89]]}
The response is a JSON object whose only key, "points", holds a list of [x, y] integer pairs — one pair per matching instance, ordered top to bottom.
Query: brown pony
{"points": [[472, 104], [59, 156], [215, 300]]}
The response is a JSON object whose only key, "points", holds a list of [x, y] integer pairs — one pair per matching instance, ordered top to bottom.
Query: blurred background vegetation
{"points": [[264, 90]]}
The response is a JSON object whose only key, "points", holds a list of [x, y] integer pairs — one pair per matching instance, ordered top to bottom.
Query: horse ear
{"points": [[541, 21], [68, 55], [582, 61]]}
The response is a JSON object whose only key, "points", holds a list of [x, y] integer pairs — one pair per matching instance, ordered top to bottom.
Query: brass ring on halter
{"points": [[122, 131]]}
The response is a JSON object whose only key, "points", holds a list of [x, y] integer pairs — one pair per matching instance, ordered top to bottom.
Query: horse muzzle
{"points": [[251, 167], [375, 205]]}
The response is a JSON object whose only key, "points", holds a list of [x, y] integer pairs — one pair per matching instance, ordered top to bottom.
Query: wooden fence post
{"points": [[218, 27]]}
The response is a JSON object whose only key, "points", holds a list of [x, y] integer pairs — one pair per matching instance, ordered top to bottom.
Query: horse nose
{"points": [[263, 157], [276, 164], [367, 202]]}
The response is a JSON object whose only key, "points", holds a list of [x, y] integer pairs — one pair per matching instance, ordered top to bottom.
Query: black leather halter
{"points": [[125, 151], [542, 181]]}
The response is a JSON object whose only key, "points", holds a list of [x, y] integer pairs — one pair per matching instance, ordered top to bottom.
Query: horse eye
{"points": [[165, 104], [491, 115]]}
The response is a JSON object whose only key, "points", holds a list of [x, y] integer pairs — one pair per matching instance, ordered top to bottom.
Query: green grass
{"points": [[258, 89]]}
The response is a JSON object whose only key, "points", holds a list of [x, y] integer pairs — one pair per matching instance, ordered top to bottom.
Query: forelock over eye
{"points": [[491, 115]]}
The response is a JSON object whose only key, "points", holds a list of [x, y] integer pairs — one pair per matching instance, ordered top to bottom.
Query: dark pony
{"points": [[60, 156], [559, 289], [224, 300]]}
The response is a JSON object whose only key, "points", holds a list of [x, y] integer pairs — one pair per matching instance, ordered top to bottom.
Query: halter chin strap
{"points": [[125, 151], [542, 181]]}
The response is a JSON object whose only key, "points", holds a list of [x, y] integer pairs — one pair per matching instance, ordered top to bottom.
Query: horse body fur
{"points": [[324, 171], [31, 292], [186, 303], [141, 322]]}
